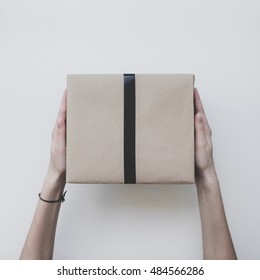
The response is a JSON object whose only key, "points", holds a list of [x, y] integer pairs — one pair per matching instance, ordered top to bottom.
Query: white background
{"points": [[42, 41]]}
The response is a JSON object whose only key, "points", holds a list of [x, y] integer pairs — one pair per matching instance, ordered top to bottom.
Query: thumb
{"points": [[59, 135], [200, 136]]}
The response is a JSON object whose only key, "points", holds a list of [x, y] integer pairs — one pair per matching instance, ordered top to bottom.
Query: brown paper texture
{"points": [[164, 128]]}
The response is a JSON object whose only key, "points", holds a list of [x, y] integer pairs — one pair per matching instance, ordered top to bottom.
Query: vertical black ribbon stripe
{"points": [[129, 129]]}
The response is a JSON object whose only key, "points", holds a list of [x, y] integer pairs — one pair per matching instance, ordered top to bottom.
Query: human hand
{"points": [[57, 164], [204, 164], [56, 176], [216, 238], [39, 243]]}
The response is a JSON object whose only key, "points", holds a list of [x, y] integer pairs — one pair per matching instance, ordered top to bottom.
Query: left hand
{"points": [[58, 146]]}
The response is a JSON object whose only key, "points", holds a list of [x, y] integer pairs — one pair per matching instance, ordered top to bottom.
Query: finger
{"points": [[197, 102], [63, 107], [199, 109], [60, 124], [207, 128], [60, 134], [200, 135]]}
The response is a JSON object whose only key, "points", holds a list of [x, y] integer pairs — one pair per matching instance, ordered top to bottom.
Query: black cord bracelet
{"points": [[62, 199]]}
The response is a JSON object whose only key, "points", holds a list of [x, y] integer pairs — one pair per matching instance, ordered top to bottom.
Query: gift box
{"points": [[130, 129]]}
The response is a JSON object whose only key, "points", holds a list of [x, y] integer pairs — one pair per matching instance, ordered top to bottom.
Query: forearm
{"points": [[40, 239], [217, 242]]}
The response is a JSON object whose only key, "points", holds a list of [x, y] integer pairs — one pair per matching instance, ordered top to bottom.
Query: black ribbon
{"points": [[129, 129]]}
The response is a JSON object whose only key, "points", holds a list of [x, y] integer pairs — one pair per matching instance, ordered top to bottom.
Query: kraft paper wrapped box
{"points": [[130, 128]]}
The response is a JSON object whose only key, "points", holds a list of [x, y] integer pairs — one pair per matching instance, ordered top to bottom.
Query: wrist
{"points": [[55, 175], [207, 179], [54, 184]]}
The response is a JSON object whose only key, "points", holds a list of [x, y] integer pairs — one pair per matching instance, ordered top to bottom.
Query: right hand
{"points": [[204, 164]]}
